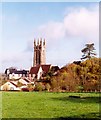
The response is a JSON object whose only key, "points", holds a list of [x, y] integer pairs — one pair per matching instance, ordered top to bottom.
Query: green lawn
{"points": [[49, 105]]}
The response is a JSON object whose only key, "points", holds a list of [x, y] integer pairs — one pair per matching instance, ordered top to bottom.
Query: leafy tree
{"points": [[88, 51], [90, 74], [66, 79], [47, 86], [31, 87], [39, 87]]}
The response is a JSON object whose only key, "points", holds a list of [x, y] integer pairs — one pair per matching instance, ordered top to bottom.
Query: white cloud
{"points": [[83, 22], [77, 23], [52, 30]]}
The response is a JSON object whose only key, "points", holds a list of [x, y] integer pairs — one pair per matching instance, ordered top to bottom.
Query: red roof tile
{"points": [[45, 68], [34, 70], [26, 80], [14, 84]]}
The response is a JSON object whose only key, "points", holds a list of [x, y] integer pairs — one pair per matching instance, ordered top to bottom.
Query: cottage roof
{"points": [[45, 68], [11, 70], [34, 70], [15, 71], [21, 72], [26, 80], [13, 84]]}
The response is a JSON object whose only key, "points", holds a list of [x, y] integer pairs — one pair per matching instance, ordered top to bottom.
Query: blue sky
{"points": [[66, 26]]}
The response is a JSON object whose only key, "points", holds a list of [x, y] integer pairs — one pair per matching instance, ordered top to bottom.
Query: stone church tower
{"points": [[39, 52]]}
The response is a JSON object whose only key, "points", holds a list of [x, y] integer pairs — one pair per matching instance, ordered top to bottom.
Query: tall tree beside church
{"points": [[88, 51]]}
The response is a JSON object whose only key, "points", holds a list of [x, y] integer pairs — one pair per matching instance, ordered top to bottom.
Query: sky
{"points": [[66, 26]]}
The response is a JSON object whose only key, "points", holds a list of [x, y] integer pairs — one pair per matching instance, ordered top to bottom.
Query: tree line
{"points": [[80, 75]]}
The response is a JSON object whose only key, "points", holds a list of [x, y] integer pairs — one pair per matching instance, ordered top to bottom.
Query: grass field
{"points": [[50, 105]]}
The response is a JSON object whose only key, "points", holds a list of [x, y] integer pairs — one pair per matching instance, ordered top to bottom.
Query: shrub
{"points": [[30, 87], [39, 87], [47, 87], [25, 89]]}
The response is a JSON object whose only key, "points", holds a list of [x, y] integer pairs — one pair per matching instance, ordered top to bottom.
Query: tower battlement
{"points": [[39, 42], [39, 52]]}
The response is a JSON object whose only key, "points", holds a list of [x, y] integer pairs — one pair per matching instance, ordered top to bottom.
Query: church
{"points": [[39, 60]]}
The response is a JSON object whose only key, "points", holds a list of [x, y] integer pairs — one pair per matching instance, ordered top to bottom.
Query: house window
{"points": [[12, 74], [11, 88]]}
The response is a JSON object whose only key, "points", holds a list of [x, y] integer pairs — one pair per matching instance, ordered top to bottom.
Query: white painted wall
{"points": [[39, 73], [15, 76], [9, 86]]}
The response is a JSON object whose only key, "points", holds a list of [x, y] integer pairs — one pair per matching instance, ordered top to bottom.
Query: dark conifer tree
{"points": [[88, 51]]}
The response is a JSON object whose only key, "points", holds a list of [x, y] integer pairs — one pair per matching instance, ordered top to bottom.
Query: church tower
{"points": [[39, 52]]}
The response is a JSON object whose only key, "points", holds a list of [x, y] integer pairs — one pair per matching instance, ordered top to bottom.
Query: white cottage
{"points": [[16, 74], [9, 86]]}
